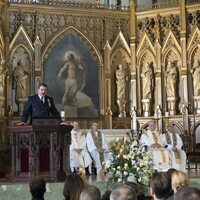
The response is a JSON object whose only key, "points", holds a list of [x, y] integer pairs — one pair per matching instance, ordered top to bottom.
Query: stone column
{"points": [[197, 104], [171, 105], [146, 109]]}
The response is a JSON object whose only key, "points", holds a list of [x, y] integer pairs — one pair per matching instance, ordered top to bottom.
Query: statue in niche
{"points": [[195, 71], [3, 73], [171, 75], [21, 76], [147, 81], [121, 86]]}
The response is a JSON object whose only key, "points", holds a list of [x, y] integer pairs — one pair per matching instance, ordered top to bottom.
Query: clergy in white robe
{"points": [[151, 139], [173, 142], [97, 147], [79, 156]]}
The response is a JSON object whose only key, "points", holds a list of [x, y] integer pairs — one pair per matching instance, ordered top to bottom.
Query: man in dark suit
{"points": [[39, 105]]}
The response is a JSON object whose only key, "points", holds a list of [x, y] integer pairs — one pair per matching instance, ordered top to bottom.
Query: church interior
{"points": [[135, 61]]}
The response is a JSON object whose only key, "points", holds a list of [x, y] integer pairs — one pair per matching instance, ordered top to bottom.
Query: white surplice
{"points": [[78, 141], [94, 153], [160, 156], [178, 160]]}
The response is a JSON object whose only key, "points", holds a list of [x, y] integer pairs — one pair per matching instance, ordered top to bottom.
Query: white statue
{"points": [[195, 71], [3, 73], [21, 80], [171, 80], [147, 81], [121, 86]]}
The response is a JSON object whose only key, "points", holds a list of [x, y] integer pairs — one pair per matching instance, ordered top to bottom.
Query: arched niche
{"points": [[20, 53], [120, 56], [146, 57]]}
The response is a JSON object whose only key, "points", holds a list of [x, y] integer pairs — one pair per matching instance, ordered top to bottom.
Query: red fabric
{"points": [[24, 160], [44, 160]]}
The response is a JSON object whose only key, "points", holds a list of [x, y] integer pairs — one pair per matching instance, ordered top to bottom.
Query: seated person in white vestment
{"points": [[151, 139], [173, 142], [97, 147], [79, 156]]}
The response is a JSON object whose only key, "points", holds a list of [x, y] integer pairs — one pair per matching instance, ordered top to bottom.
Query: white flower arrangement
{"points": [[129, 162]]}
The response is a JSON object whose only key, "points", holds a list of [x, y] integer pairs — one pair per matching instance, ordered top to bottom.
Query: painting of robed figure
{"points": [[72, 77]]}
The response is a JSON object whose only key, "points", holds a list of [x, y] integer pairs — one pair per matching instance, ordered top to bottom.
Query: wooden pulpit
{"points": [[40, 149]]}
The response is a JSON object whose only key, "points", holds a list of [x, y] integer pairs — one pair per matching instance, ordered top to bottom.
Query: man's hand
{"points": [[21, 124], [155, 145], [78, 150], [100, 150]]}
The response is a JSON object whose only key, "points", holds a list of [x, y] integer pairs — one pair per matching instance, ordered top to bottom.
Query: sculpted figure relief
{"points": [[195, 71], [21, 75], [2, 78], [171, 79], [120, 81], [147, 81], [121, 88]]}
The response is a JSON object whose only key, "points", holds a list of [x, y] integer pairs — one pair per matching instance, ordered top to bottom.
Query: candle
{"points": [[62, 113]]}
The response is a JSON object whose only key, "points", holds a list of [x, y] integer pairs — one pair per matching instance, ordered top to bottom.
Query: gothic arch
{"points": [[62, 33], [193, 43], [142, 54]]}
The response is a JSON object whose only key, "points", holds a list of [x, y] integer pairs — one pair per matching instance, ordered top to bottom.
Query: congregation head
{"points": [[179, 179], [160, 185], [73, 187], [37, 188], [123, 192], [90, 193], [187, 193]]}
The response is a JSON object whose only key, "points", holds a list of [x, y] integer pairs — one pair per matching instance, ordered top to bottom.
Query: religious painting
{"points": [[72, 76]]}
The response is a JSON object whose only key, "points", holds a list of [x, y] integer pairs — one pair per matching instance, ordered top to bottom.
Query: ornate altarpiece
{"points": [[136, 37]]}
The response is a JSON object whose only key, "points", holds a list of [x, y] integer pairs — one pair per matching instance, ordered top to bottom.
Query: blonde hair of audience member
{"points": [[179, 180], [73, 187]]}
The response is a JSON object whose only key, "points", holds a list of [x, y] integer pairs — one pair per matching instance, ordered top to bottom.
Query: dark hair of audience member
{"points": [[169, 174], [160, 185], [73, 187], [37, 188], [138, 189], [123, 192], [90, 193], [187, 193], [106, 195]]}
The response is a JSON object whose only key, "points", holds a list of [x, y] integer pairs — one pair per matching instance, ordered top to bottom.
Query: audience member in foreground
{"points": [[169, 174], [179, 180], [160, 186], [73, 187], [37, 188], [138, 189], [123, 192], [90, 193], [187, 193], [106, 195]]}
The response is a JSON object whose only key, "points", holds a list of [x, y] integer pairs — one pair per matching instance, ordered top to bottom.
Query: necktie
{"points": [[42, 99]]}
